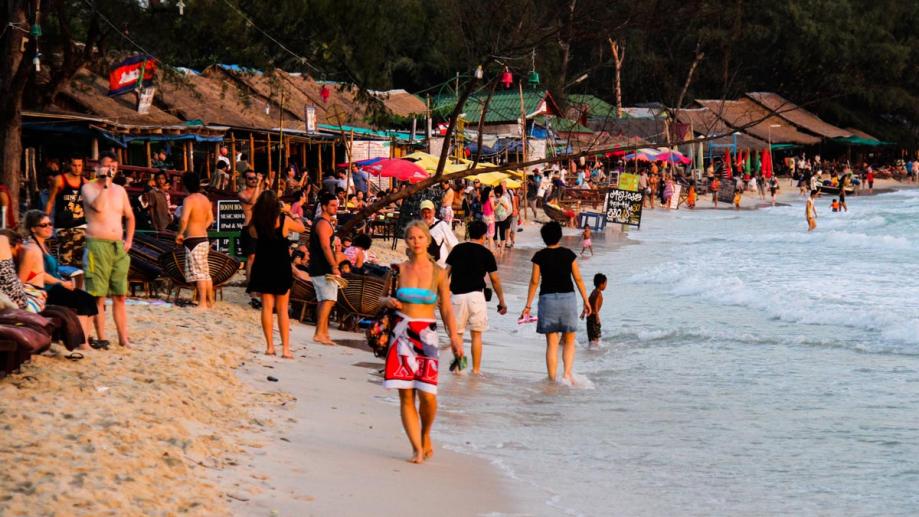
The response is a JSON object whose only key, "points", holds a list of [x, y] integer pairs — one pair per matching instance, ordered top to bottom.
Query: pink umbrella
{"points": [[672, 157], [402, 170]]}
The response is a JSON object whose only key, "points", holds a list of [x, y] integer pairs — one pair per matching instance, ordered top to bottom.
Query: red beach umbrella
{"points": [[402, 170]]}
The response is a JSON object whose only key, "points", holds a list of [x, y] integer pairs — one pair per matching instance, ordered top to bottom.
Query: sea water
{"points": [[748, 367]]}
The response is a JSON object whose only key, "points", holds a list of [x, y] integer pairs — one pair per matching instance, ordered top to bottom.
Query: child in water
{"points": [[738, 196], [834, 205], [587, 244], [596, 301]]}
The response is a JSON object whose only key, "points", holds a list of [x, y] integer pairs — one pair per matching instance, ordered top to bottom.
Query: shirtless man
{"points": [[247, 197], [446, 203], [810, 212], [197, 217], [106, 260]]}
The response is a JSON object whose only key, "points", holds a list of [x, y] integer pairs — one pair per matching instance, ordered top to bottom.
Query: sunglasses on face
{"points": [[251, 178], [43, 225]]}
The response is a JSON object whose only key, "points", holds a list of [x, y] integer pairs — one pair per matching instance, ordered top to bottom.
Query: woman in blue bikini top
{"points": [[412, 358]]}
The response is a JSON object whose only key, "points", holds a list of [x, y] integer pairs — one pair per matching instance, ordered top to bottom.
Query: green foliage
{"points": [[853, 61]]}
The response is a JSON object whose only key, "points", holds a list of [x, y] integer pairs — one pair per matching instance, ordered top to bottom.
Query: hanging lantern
{"points": [[181, 5], [36, 61], [479, 73], [507, 79], [533, 80], [324, 93]]}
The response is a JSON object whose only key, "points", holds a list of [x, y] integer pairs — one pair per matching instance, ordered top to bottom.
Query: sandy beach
{"points": [[188, 423]]}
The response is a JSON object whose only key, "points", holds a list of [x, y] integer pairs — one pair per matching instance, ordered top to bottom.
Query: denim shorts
{"points": [[326, 290], [558, 312]]}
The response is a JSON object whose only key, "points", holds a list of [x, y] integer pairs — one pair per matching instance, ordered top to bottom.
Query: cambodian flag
{"points": [[124, 77]]}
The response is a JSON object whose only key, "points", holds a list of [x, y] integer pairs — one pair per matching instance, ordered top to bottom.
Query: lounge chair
{"points": [[222, 267], [361, 299]]}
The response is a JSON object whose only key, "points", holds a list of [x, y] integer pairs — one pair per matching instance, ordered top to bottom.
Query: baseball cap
{"points": [[427, 203]]}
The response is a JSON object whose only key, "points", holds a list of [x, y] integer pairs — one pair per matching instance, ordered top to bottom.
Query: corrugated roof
{"points": [[591, 106], [503, 108], [797, 115], [747, 116], [562, 125]]}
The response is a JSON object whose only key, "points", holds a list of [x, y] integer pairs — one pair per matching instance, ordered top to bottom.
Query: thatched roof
{"points": [[87, 93], [214, 100], [402, 103], [341, 108], [797, 115], [747, 116], [706, 123], [860, 133]]}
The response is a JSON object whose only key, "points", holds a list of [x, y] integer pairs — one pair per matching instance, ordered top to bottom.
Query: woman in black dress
{"points": [[271, 275]]}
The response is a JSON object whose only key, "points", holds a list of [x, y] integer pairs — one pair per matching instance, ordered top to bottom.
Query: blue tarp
{"points": [[83, 129]]}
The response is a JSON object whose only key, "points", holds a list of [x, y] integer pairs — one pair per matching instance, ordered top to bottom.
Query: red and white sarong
{"points": [[412, 359]]}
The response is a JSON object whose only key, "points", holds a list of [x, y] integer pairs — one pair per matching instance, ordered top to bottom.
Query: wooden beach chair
{"points": [[222, 267], [303, 294], [361, 299]]}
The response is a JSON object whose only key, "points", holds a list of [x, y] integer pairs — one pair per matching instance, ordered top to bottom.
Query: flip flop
{"points": [[99, 344], [74, 356]]}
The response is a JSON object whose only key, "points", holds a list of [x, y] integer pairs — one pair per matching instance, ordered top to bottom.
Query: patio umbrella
{"points": [[640, 156], [672, 157], [767, 162], [361, 163], [747, 163], [728, 168], [402, 170]]}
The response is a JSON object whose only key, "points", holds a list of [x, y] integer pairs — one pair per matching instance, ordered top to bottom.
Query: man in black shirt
{"points": [[467, 265]]}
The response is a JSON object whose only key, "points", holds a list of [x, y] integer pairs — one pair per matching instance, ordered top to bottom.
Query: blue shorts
{"points": [[326, 290], [558, 312]]}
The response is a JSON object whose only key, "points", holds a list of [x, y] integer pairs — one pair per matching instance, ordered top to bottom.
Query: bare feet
{"points": [[324, 340], [125, 344], [270, 351], [288, 355], [428, 446], [417, 457]]}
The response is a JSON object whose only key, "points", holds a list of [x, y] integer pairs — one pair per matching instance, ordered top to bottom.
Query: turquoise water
{"points": [[748, 367]]}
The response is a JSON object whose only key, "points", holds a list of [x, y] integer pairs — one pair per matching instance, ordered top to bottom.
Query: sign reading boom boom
{"points": [[624, 207]]}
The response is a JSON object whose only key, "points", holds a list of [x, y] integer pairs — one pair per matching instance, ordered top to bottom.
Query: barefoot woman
{"points": [[411, 363]]}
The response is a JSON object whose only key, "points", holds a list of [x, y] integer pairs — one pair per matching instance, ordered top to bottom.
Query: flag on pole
{"points": [[126, 76]]}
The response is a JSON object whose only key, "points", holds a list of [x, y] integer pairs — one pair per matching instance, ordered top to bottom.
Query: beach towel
{"points": [[66, 326], [412, 358]]}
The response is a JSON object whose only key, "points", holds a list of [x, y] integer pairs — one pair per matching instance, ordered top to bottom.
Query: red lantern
{"points": [[507, 79], [324, 93]]}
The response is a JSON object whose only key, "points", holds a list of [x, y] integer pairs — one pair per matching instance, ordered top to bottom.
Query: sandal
{"points": [[99, 344], [74, 356]]}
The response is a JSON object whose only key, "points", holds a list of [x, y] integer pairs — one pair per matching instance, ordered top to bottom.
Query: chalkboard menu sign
{"points": [[624, 207], [230, 215]]}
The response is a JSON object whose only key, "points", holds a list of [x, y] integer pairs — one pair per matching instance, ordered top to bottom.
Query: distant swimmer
{"points": [[810, 211]]}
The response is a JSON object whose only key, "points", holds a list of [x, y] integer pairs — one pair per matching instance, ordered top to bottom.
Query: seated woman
{"points": [[358, 252], [299, 263], [39, 272], [10, 286], [412, 360]]}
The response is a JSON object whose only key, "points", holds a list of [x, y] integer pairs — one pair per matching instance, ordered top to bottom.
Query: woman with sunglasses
{"points": [[39, 272]]}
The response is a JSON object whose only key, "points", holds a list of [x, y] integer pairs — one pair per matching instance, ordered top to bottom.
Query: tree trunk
{"points": [[565, 43], [618, 58], [14, 75]]}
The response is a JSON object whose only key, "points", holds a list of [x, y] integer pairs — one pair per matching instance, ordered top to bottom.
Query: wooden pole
{"points": [[523, 141], [251, 151], [233, 155], [149, 156], [184, 156], [303, 156], [334, 161], [319, 170], [268, 172], [348, 179]]}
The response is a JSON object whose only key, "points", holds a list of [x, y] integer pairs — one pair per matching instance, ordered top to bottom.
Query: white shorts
{"points": [[470, 310]]}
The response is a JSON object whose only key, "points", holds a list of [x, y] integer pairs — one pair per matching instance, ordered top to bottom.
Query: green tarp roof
{"points": [[504, 106], [596, 107], [372, 133], [858, 140]]}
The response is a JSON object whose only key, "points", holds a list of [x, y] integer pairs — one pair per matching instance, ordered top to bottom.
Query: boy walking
{"points": [[596, 302]]}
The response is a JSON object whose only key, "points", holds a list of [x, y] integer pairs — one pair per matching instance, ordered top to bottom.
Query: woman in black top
{"points": [[554, 268], [271, 273]]}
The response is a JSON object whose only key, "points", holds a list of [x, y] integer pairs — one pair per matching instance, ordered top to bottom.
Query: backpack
{"points": [[434, 246]]}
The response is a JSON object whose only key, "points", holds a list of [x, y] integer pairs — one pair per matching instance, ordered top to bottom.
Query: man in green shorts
{"points": [[106, 260]]}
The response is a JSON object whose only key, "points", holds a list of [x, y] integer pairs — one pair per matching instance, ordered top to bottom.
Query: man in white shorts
{"points": [[467, 265]]}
